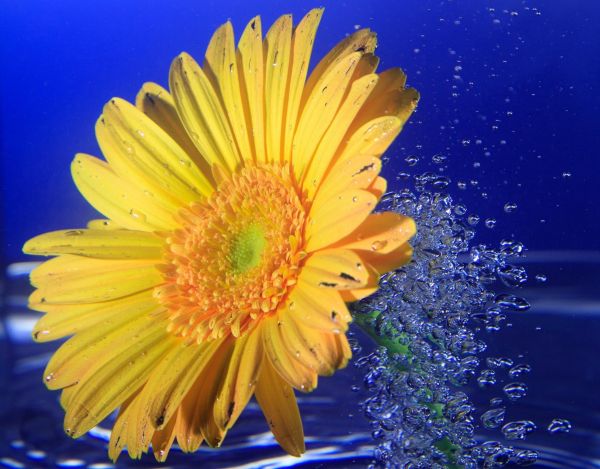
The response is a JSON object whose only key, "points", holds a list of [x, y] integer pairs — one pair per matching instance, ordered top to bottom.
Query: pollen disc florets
{"points": [[235, 256]]}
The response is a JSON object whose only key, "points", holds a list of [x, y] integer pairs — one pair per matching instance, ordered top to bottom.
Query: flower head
{"points": [[238, 225]]}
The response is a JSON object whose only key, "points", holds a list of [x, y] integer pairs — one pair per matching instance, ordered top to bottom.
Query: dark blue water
{"points": [[509, 94]]}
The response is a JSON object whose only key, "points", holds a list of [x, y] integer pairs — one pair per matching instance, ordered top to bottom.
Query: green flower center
{"points": [[247, 249]]}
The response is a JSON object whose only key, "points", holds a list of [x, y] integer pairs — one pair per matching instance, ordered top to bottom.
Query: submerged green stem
{"points": [[396, 343]]}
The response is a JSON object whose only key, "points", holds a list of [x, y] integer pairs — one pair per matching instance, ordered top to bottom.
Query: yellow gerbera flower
{"points": [[238, 225]]}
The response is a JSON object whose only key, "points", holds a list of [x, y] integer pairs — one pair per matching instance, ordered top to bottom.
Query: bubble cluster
{"points": [[424, 318]]}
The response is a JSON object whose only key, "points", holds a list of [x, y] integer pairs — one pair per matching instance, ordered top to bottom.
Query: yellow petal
{"points": [[363, 41], [277, 45], [302, 45], [367, 65], [220, 66], [251, 66], [389, 98], [158, 104], [319, 111], [202, 114], [372, 138], [329, 146], [140, 151], [358, 172], [378, 187], [118, 199], [339, 216], [102, 224], [380, 233], [121, 244], [383, 263], [337, 269], [73, 280], [371, 284], [319, 307], [64, 320], [310, 346], [325, 346], [92, 347], [293, 372], [173, 377], [238, 384], [103, 388], [65, 396], [278, 403], [198, 420], [139, 431], [118, 434], [189, 437], [162, 440]]}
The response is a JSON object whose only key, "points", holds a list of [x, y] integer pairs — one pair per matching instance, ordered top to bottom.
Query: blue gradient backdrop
{"points": [[528, 90]]}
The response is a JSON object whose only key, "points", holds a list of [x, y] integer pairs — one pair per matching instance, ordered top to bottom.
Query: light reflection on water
{"points": [[32, 431]]}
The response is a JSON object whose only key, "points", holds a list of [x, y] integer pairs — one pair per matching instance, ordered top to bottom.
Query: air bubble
{"points": [[439, 159], [411, 160], [510, 207], [541, 278], [512, 302], [431, 309], [518, 370], [515, 390], [493, 418], [559, 426], [518, 430], [525, 457]]}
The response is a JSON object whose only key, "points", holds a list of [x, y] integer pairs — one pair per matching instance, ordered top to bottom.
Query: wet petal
{"points": [[277, 45], [158, 104], [202, 113], [140, 151], [337, 217], [380, 233], [102, 244], [278, 403]]}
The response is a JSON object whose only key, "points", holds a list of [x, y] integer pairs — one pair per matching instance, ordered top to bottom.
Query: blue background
{"points": [[522, 111]]}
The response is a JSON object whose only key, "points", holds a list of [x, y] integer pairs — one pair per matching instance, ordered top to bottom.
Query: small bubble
{"points": [[439, 159], [411, 160], [566, 174], [461, 185], [510, 207], [460, 209], [137, 215], [473, 220], [490, 223], [377, 245], [511, 275], [541, 278], [512, 302], [499, 362], [518, 370], [486, 378], [515, 390], [496, 401], [493, 418], [559, 426], [518, 429], [525, 457]]}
